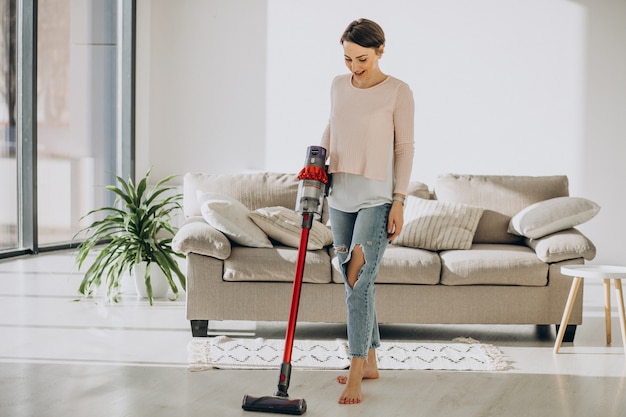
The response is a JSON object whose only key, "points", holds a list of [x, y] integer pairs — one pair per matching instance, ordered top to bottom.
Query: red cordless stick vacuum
{"points": [[311, 190]]}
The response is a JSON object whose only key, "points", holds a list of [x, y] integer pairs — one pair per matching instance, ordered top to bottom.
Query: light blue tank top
{"points": [[352, 192]]}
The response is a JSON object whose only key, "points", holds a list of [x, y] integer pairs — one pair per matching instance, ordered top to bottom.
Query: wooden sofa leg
{"points": [[199, 328], [570, 332]]}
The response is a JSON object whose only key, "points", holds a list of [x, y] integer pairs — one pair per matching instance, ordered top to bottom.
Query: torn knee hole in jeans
{"points": [[360, 247], [341, 249], [360, 255], [354, 264]]}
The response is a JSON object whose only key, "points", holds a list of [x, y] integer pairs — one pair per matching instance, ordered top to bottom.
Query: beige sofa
{"points": [[502, 278]]}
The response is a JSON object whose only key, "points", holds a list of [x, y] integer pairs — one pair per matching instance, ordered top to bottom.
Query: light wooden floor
{"points": [[64, 358]]}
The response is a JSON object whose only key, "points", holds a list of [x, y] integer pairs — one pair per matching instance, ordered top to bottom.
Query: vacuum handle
{"points": [[297, 287], [285, 369]]}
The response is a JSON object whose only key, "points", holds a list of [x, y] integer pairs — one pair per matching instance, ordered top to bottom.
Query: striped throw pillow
{"points": [[438, 225]]}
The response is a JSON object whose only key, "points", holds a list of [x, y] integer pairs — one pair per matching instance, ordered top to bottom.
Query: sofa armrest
{"points": [[197, 236], [560, 246]]}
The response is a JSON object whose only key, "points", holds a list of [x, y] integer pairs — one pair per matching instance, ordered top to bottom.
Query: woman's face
{"points": [[362, 62]]}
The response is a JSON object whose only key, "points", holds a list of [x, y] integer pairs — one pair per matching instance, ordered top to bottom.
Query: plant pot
{"points": [[158, 281]]}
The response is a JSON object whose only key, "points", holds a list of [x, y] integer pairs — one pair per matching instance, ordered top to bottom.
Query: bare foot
{"points": [[359, 369], [352, 393]]}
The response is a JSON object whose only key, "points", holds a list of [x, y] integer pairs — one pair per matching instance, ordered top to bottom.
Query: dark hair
{"points": [[365, 33]]}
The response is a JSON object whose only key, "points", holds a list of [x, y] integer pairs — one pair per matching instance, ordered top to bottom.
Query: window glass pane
{"points": [[76, 113], [8, 163]]}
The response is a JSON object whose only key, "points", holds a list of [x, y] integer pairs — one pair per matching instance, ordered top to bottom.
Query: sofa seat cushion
{"points": [[275, 264], [493, 264], [401, 265]]}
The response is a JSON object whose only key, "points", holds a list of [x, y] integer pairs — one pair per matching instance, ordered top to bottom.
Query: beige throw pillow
{"points": [[551, 216], [230, 217], [438, 225], [285, 226], [197, 236], [563, 245]]}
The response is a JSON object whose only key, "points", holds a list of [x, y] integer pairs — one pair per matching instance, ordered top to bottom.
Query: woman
{"points": [[370, 141]]}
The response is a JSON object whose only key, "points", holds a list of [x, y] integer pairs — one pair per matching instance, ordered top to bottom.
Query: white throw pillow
{"points": [[551, 216], [230, 217], [438, 225], [285, 226]]}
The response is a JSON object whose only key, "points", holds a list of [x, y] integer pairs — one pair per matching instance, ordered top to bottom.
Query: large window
{"points": [[81, 76], [76, 112]]}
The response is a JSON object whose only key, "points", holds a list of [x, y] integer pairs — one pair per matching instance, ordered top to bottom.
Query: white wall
{"points": [[200, 85], [521, 87]]}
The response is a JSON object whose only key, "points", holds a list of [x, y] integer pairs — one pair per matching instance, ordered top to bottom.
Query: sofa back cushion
{"points": [[419, 189], [253, 190], [256, 190], [501, 196]]}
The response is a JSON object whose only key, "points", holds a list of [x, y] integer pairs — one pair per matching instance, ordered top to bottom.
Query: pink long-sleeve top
{"points": [[366, 125]]}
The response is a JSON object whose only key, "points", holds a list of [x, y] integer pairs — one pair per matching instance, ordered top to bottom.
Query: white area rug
{"points": [[226, 353]]}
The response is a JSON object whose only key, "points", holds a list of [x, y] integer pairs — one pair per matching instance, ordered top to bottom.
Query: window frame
{"points": [[26, 135]]}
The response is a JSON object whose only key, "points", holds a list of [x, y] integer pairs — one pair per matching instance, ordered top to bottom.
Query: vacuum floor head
{"points": [[274, 404]]}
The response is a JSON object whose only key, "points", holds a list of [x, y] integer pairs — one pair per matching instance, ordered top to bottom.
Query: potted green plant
{"points": [[135, 230]]}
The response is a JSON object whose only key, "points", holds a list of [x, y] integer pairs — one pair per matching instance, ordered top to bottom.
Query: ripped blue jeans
{"points": [[366, 228]]}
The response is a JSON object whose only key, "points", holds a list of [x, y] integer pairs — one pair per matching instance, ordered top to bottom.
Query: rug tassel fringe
{"points": [[468, 340], [199, 356], [500, 362]]}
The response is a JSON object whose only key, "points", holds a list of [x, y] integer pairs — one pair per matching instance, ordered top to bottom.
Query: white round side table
{"points": [[607, 273]]}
